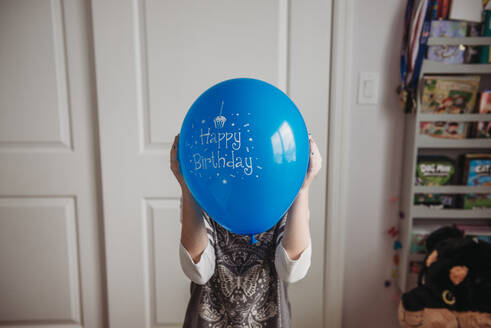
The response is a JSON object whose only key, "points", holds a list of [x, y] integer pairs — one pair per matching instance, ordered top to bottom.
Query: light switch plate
{"points": [[368, 88]]}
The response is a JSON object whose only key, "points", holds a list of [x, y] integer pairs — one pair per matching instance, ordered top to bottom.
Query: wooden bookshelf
{"points": [[415, 143]]}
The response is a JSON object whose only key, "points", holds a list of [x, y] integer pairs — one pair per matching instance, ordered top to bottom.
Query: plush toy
{"points": [[454, 286]]}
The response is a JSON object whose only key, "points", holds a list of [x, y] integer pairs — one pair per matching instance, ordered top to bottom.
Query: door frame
{"points": [[337, 161]]}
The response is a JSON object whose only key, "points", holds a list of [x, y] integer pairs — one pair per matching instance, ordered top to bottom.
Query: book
{"points": [[439, 7], [445, 9], [434, 10], [466, 10], [487, 22], [445, 53], [472, 53], [485, 53], [449, 94], [485, 102], [483, 129], [446, 130], [477, 172], [477, 231], [419, 234], [418, 240], [415, 268]]}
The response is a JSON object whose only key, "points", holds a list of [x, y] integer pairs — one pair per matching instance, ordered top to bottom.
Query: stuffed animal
{"points": [[454, 286]]}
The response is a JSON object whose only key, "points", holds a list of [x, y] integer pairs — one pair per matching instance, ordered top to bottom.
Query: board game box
{"points": [[449, 94], [435, 171], [477, 172]]}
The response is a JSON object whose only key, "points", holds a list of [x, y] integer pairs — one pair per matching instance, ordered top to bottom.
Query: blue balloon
{"points": [[244, 153]]}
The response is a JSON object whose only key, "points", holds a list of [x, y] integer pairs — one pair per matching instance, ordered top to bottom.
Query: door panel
{"points": [[213, 38], [34, 43], [153, 59], [38, 231], [50, 272], [169, 296]]}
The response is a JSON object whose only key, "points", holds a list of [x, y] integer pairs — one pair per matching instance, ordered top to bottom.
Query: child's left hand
{"points": [[315, 164]]}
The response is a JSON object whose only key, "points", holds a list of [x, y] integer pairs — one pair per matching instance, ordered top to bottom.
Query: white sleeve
{"points": [[292, 270], [202, 271]]}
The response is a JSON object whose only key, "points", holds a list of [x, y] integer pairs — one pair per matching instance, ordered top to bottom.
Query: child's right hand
{"points": [[174, 164]]}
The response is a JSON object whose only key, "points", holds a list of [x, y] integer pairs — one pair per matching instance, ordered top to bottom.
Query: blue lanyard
{"points": [[423, 39]]}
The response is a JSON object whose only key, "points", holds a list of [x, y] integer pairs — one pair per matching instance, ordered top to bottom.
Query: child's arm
{"points": [[194, 237], [296, 237]]}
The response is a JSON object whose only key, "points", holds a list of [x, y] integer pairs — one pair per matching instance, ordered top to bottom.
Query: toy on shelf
{"points": [[454, 285]]}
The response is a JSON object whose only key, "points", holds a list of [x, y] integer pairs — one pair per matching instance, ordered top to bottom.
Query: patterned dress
{"points": [[245, 290]]}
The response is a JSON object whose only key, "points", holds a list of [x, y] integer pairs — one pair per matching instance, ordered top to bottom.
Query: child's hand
{"points": [[174, 163], [315, 164]]}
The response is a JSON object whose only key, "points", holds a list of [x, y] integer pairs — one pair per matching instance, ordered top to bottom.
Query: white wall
{"points": [[375, 165]]}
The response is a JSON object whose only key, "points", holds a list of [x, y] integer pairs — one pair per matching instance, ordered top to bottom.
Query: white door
{"points": [[153, 58], [50, 249]]}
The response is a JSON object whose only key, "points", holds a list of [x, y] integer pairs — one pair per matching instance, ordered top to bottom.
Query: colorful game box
{"points": [[449, 94], [448, 130], [435, 171], [477, 172]]}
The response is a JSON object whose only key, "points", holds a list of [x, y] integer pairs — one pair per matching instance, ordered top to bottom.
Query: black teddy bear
{"points": [[454, 286]]}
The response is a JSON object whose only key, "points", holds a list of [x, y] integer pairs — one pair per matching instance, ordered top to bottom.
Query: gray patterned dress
{"points": [[245, 290]]}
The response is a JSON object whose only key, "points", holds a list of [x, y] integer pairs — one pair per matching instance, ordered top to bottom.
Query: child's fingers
{"points": [[175, 143], [311, 154], [173, 155], [315, 158]]}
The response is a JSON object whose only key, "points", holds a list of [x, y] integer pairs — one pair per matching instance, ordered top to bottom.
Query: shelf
{"points": [[468, 41], [432, 67], [454, 117], [423, 141], [416, 143], [451, 190], [423, 212], [416, 257]]}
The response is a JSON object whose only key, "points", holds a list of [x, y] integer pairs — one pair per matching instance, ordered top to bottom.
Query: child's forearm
{"points": [[297, 230], [193, 232]]}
